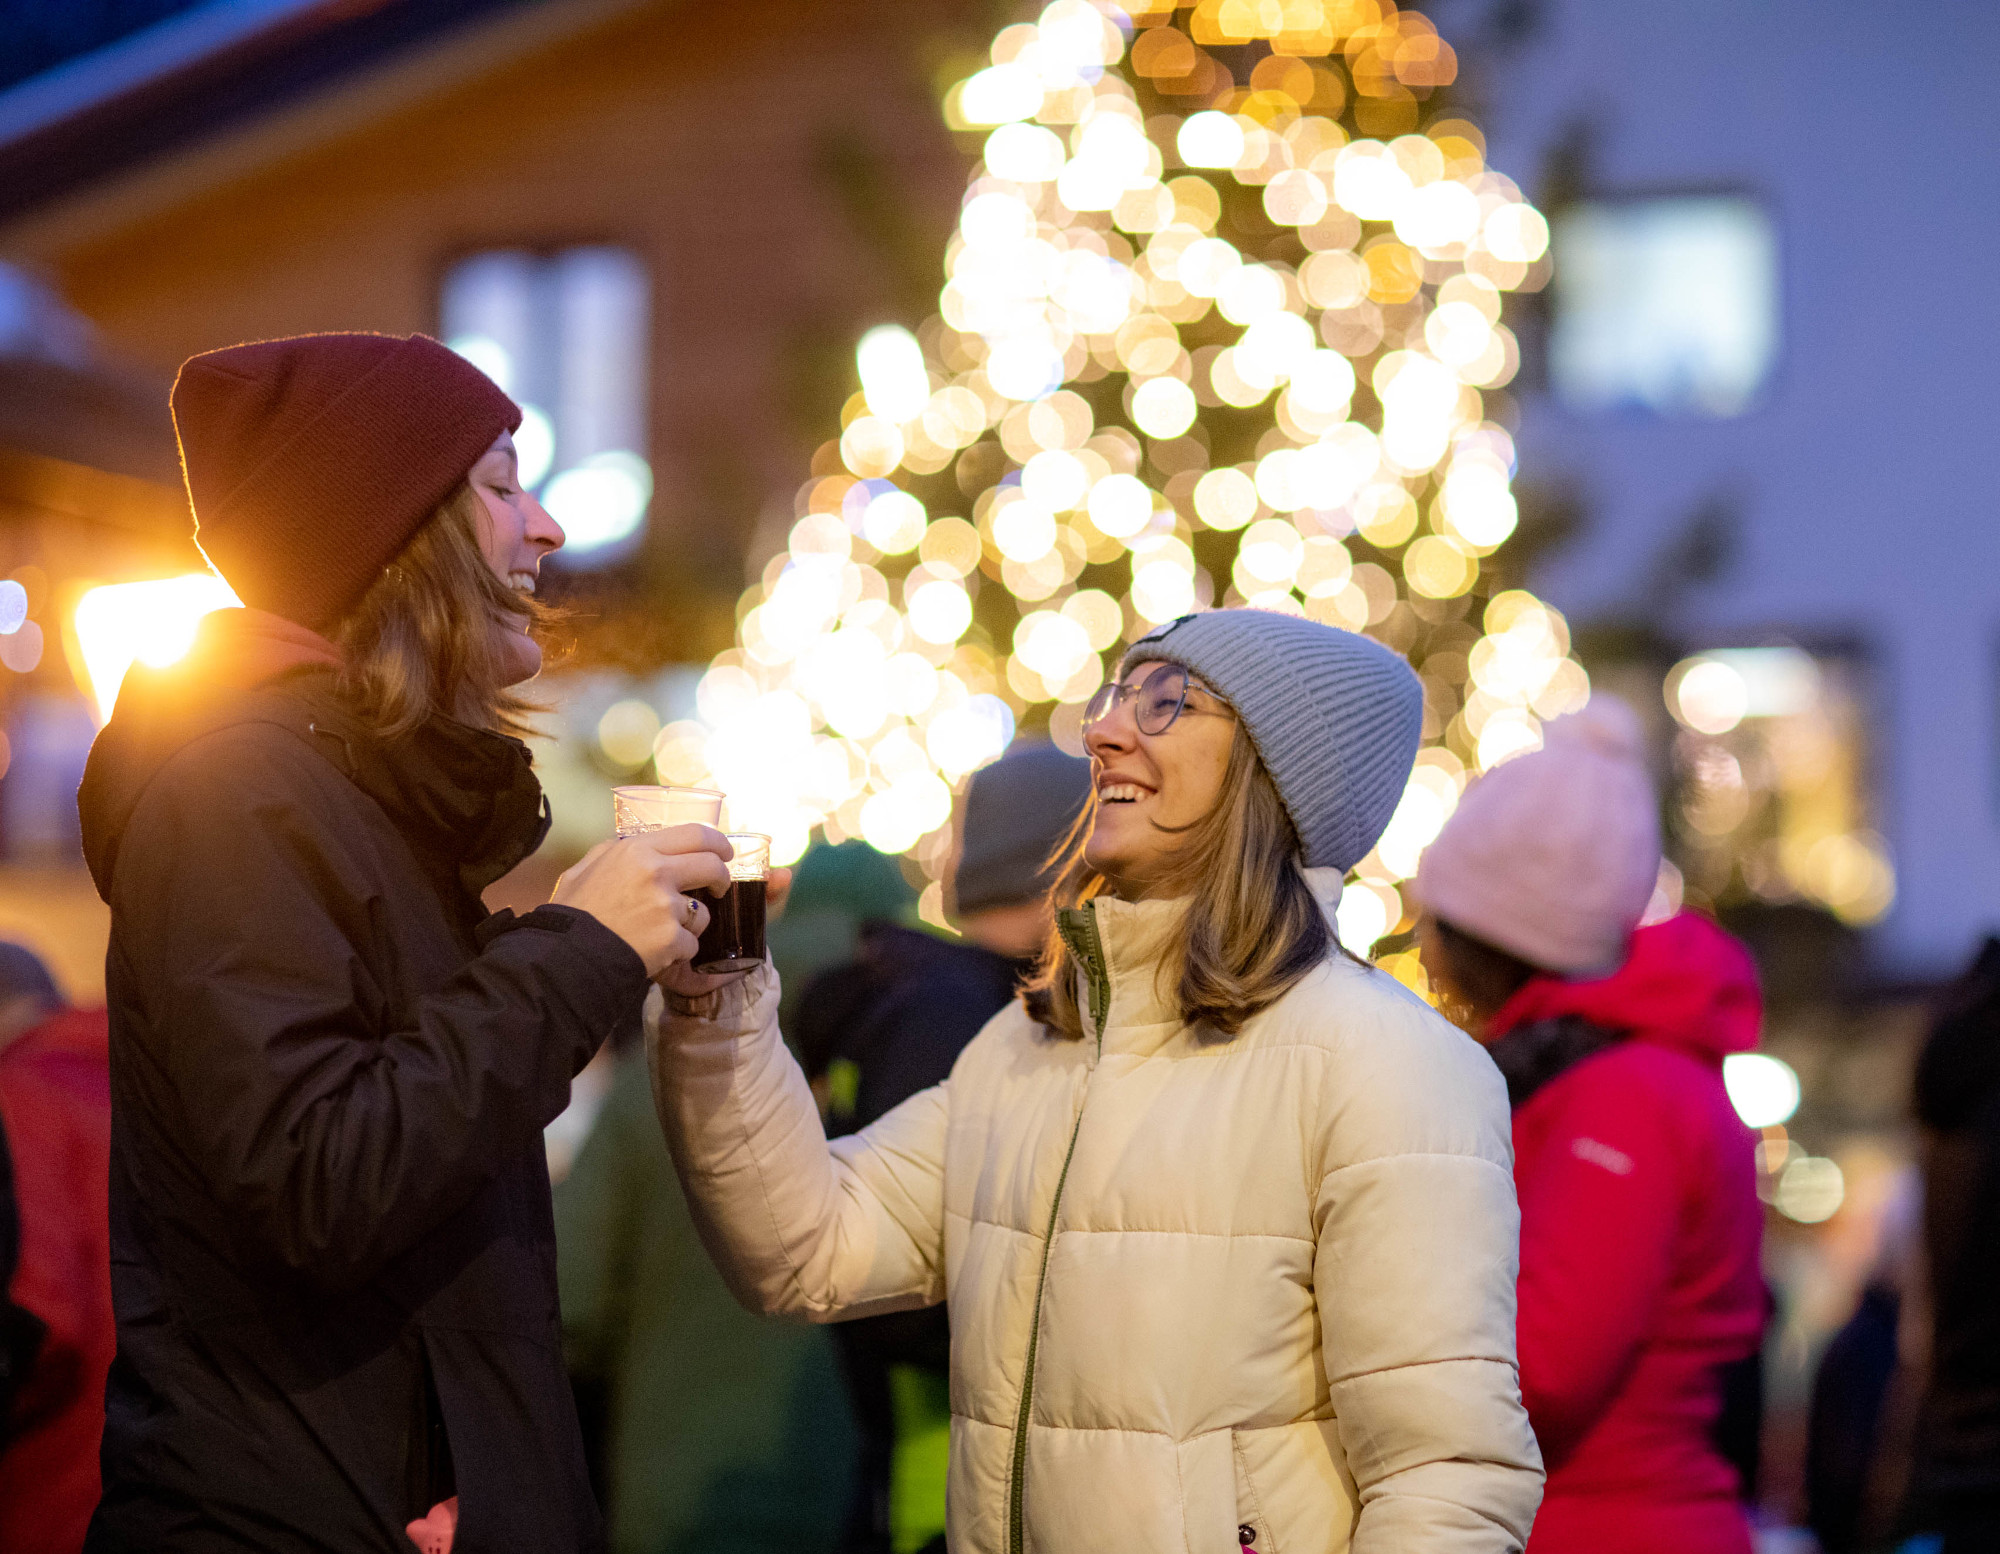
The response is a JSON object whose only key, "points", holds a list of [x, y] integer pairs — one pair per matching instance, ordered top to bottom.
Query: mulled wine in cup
{"points": [[734, 937]]}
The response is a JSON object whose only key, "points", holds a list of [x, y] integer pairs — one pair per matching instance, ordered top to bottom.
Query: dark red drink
{"points": [[734, 937]]}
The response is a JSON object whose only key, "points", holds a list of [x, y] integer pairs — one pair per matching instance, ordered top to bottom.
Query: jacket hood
{"points": [[158, 711], [466, 797], [1686, 984]]}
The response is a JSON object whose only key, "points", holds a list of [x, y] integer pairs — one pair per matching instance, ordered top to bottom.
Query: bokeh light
{"points": [[1204, 339], [601, 502], [152, 623], [1707, 696], [1763, 1089], [1811, 1189]]}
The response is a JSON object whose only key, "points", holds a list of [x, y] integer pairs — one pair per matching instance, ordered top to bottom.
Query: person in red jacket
{"points": [[55, 1104], [1640, 1278]]}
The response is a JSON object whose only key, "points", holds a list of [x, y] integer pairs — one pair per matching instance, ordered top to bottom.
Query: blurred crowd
{"points": [[1137, 1208], [1642, 1305]]}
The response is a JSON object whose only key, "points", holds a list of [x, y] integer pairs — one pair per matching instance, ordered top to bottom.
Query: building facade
{"points": [[1764, 390]]}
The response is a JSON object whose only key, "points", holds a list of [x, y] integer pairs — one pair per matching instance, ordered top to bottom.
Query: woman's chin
{"points": [[523, 658], [1106, 858]]}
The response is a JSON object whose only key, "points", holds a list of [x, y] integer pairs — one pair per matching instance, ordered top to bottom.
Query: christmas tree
{"points": [[1223, 302]]}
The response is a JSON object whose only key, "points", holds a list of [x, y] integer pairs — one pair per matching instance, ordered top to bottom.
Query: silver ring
{"points": [[692, 907]]}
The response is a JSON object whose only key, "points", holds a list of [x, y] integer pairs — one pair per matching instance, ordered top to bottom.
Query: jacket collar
{"points": [[245, 648], [465, 798], [1122, 947], [1685, 983]]}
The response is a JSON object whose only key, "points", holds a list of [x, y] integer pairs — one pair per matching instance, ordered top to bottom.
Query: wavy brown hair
{"points": [[420, 643], [1250, 926]]}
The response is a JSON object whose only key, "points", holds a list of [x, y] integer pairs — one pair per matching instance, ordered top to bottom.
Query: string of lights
{"points": [[1218, 324]]}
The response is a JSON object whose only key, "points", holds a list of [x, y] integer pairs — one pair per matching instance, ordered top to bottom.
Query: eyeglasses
{"points": [[1157, 699]]}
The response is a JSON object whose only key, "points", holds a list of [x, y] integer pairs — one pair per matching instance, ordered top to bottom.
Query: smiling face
{"points": [[515, 533], [1152, 786]]}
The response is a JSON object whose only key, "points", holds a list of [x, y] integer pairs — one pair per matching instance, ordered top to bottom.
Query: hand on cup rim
{"points": [[690, 837]]}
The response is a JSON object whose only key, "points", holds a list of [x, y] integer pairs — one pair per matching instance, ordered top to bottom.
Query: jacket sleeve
{"points": [[336, 1140], [1600, 1205], [797, 1226], [1414, 1274]]}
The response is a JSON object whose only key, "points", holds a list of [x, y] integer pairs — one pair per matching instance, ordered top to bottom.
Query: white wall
{"points": [[1870, 478]]}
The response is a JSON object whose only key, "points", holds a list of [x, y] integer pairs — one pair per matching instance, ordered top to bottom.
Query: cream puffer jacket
{"points": [[1202, 1291]]}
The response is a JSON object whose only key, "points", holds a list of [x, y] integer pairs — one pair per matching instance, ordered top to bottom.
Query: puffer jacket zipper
{"points": [[1078, 927]]}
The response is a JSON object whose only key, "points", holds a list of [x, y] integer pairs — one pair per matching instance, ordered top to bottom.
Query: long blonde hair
{"points": [[420, 643], [1251, 927]]}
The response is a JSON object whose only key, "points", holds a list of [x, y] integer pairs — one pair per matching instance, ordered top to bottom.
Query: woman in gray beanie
{"points": [[1224, 1216]]}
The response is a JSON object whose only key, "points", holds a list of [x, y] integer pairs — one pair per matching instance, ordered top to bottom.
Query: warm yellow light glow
{"points": [[1210, 139], [1518, 233], [1126, 255], [893, 380], [1163, 407], [1225, 499], [1121, 505], [894, 523], [940, 612], [150, 623], [1708, 695], [627, 731], [1763, 1089]]}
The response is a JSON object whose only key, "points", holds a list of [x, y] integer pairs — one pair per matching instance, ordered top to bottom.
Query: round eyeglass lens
{"points": [[1161, 695]]}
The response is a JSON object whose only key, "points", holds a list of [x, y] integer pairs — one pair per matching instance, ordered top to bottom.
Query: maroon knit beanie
{"points": [[311, 461]]}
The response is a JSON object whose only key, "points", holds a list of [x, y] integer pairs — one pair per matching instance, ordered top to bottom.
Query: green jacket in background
{"points": [[724, 1431]]}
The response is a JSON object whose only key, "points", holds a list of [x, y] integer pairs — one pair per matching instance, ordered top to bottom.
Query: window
{"points": [[1667, 305], [566, 334], [1770, 794]]}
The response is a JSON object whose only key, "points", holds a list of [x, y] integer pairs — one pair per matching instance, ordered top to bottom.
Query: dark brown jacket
{"points": [[332, 1255]]}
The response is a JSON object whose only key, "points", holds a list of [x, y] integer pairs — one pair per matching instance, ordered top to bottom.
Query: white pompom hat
{"points": [[1554, 855]]}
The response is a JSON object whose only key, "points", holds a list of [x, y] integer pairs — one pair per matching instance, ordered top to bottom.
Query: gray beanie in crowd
{"points": [[1335, 716], [1017, 812], [22, 975]]}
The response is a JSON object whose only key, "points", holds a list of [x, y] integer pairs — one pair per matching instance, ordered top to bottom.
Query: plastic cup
{"points": [[649, 807], [734, 938]]}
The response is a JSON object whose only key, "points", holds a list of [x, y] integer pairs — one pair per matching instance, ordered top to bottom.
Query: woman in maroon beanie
{"points": [[332, 1253]]}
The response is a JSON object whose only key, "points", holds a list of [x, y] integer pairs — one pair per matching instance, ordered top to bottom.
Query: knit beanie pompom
{"points": [[1336, 717], [1554, 855]]}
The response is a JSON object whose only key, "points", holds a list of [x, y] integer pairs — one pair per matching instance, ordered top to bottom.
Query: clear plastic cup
{"points": [[649, 807]]}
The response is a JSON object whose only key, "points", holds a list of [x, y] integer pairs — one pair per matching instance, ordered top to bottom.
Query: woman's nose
{"points": [[541, 530], [1115, 731]]}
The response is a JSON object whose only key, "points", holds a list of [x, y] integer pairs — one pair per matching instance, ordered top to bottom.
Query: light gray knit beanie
{"points": [[1335, 717]]}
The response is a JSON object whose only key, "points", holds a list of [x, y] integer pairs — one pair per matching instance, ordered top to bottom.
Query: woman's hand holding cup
{"points": [[646, 889]]}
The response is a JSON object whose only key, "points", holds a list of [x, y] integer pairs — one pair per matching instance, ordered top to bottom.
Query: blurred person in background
{"points": [[837, 889], [873, 1033], [55, 1106], [1224, 1216], [333, 1252], [1640, 1283], [20, 1333], [1865, 1390], [702, 1424], [705, 1426], [1955, 1469]]}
